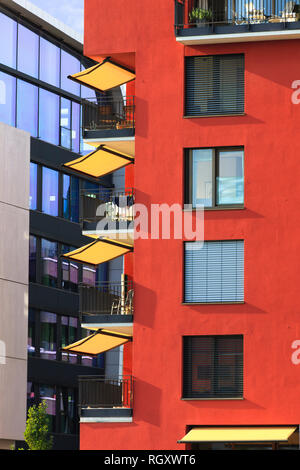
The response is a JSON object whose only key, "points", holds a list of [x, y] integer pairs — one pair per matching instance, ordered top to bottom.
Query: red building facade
{"points": [[140, 35]]}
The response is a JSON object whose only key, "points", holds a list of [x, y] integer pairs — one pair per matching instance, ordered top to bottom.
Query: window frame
{"points": [[188, 177], [214, 358]]}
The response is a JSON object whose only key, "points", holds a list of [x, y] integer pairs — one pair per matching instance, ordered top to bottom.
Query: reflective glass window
{"points": [[8, 46], [28, 51], [49, 62], [69, 66], [7, 99], [27, 107], [49, 117], [65, 123], [75, 127], [202, 177], [230, 177], [33, 186], [50, 191], [71, 198], [32, 258], [49, 263], [70, 271], [69, 326], [31, 333], [48, 334], [30, 395], [48, 395]]}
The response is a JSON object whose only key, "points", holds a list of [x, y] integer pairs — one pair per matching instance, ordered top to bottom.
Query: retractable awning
{"points": [[104, 76], [100, 162], [99, 251], [97, 343], [238, 434]]}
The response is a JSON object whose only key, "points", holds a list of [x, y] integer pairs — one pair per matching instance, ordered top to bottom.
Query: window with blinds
{"points": [[214, 85], [214, 271], [213, 366]]}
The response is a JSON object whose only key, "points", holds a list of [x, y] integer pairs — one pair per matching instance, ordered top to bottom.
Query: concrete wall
{"points": [[14, 247]]}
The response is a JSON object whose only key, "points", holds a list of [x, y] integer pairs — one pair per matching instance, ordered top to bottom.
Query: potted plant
{"points": [[200, 16]]}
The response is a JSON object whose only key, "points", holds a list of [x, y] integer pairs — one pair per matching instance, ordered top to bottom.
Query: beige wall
{"points": [[14, 254]]}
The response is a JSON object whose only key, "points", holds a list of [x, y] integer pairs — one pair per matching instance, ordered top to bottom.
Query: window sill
{"points": [[214, 115], [212, 303], [213, 399]]}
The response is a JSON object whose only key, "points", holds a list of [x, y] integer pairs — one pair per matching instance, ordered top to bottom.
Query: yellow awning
{"points": [[104, 76], [100, 162], [99, 251], [97, 343], [238, 434]]}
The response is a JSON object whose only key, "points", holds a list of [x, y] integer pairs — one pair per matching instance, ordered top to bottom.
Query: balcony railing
{"points": [[208, 15], [106, 113], [109, 204], [107, 298], [104, 392]]}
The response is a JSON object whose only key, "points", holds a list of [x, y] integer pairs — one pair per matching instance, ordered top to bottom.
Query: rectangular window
{"points": [[8, 46], [28, 51], [49, 62], [69, 66], [214, 85], [7, 99], [27, 107], [49, 117], [65, 123], [214, 177], [33, 186], [50, 191], [71, 198], [32, 258], [49, 260], [70, 271], [214, 272], [48, 323], [69, 331], [31, 333], [213, 367], [48, 395]]}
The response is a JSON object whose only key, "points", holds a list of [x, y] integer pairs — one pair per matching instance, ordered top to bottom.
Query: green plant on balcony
{"points": [[199, 16]]}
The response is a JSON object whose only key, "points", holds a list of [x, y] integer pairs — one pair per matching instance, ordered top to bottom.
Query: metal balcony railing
{"points": [[210, 13], [106, 112], [116, 205], [107, 298], [104, 392]]}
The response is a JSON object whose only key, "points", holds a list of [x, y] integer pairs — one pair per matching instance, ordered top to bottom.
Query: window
{"points": [[8, 46], [28, 51], [49, 62], [69, 66], [214, 85], [7, 99], [27, 107], [49, 117], [65, 123], [214, 177], [33, 186], [50, 191], [71, 198], [49, 251], [32, 258], [70, 271], [214, 272], [69, 331], [31, 333], [48, 335], [213, 366], [48, 395]]}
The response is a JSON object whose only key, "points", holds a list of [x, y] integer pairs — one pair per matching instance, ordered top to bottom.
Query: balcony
{"points": [[228, 21], [110, 121], [108, 213], [107, 305], [103, 399]]}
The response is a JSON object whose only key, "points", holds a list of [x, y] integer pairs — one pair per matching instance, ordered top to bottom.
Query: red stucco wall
{"points": [[270, 226]]}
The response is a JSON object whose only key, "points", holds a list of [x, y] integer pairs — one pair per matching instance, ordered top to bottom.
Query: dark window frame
{"points": [[188, 177], [235, 394]]}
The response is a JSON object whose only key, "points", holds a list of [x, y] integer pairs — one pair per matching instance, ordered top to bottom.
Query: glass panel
{"points": [[8, 46], [28, 51], [49, 62], [69, 66], [85, 91], [7, 99], [27, 107], [49, 117], [65, 123], [75, 127], [202, 177], [230, 179], [33, 186], [50, 191], [66, 197], [71, 198], [32, 258], [49, 263], [70, 271], [89, 275], [69, 326], [31, 333], [48, 335], [87, 360], [30, 395], [48, 395], [67, 411]]}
